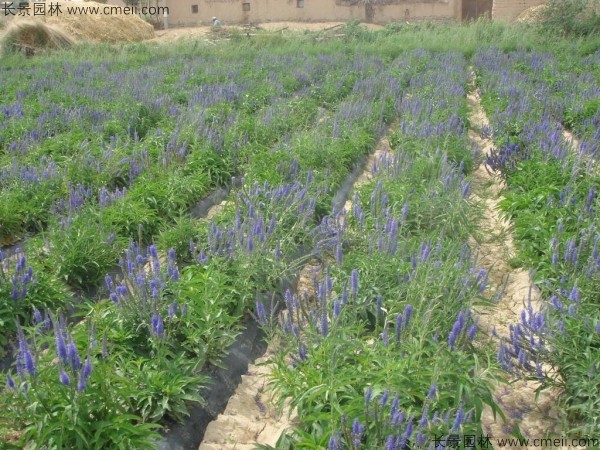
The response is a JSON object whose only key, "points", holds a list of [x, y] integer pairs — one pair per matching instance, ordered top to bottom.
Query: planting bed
{"points": [[160, 210]]}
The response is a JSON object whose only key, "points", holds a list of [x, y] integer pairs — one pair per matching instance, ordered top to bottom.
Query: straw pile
{"points": [[531, 15], [89, 27], [101, 28], [31, 35]]}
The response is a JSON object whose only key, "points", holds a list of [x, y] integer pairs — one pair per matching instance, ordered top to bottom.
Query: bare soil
{"points": [[208, 32], [536, 418]]}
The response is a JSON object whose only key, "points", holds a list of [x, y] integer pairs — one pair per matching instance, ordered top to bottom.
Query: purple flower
{"points": [[465, 189], [404, 212], [109, 282], [354, 282], [574, 295], [173, 308], [337, 309], [261, 313], [407, 314], [37, 316], [399, 322], [324, 324], [157, 325], [456, 329], [472, 331], [385, 337], [302, 352], [25, 353], [73, 356], [87, 368], [64, 378], [9, 380], [81, 383], [432, 391], [368, 395], [384, 398], [424, 418], [458, 420], [357, 432], [390, 443], [333, 444]]}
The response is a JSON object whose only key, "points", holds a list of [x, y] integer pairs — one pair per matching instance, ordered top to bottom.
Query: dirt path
{"points": [[172, 35], [251, 416], [536, 419]]}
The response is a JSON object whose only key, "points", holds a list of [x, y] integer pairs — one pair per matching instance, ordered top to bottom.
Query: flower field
{"points": [[121, 285]]}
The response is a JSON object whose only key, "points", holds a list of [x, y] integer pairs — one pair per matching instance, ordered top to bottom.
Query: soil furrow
{"points": [[535, 418]]}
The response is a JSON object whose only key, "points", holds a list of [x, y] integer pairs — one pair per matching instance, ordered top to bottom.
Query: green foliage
{"points": [[571, 17], [574, 117], [179, 236], [83, 251], [164, 385], [55, 416]]}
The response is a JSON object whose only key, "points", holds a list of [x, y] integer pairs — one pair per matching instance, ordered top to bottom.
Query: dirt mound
{"points": [[531, 15], [86, 26], [29, 34]]}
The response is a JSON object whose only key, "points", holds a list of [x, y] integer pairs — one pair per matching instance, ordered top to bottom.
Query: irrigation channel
{"points": [[535, 416]]}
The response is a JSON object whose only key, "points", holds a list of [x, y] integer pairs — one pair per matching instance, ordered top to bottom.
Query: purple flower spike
{"points": [[465, 189], [354, 282], [574, 295], [337, 309], [261, 313], [407, 314], [37, 316], [157, 325], [399, 326], [472, 332], [385, 337], [87, 368], [64, 378], [10, 383], [81, 383], [432, 391], [368, 395], [384, 398], [458, 420], [357, 432], [390, 443], [333, 444]]}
